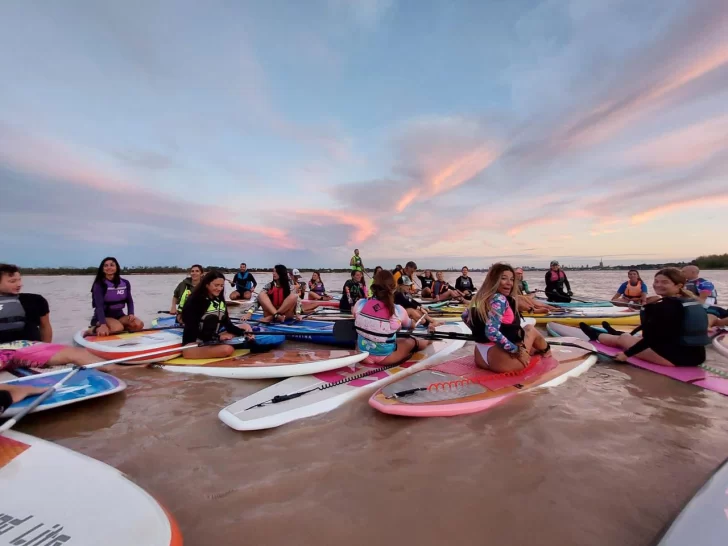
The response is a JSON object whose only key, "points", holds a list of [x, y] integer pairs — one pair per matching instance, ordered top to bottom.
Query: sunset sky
{"points": [[450, 133]]}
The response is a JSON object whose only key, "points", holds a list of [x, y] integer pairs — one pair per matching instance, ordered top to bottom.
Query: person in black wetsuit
{"points": [[426, 281], [555, 282], [464, 284], [205, 315], [674, 328]]}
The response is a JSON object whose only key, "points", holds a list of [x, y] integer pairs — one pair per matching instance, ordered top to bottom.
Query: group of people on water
{"points": [[674, 324]]}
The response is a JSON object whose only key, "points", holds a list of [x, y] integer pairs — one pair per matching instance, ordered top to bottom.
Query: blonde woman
{"points": [[502, 345]]}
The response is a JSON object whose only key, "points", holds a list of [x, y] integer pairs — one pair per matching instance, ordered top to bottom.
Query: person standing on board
{"points": [[355, 262], [555, 282], [244, 284], [464, 284], [184, 289], [633, 290], [110, 294], [25, 328]]}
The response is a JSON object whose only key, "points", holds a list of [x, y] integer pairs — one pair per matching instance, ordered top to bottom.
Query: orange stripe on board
{"points": [[9, 449]]}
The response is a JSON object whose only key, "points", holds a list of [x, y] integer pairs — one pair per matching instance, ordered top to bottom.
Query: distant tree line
{"points": [[712, 261]]}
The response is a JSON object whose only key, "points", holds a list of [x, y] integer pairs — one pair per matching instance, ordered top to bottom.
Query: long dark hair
{"points": [[377, 269], [101, 276], [283, 281], [383, 289], [200, 291]]}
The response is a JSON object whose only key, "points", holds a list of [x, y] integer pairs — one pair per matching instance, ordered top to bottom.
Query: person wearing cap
{"points": [[408, 272], [555, 282], [298, 284], [354, 290], [415, 311]]}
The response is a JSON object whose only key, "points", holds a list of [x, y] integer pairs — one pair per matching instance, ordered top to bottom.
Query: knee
{"points": [[227, 350]]}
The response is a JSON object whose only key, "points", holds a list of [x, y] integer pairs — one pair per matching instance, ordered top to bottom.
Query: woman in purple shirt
{"points": [[110, 295]]}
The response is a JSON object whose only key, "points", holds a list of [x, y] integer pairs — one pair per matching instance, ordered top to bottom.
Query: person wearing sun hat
{"points": [[555, 282]]}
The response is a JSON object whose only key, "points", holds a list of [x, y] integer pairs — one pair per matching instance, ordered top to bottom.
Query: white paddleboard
{"points": [[133, 345], [272, 364], [242, 416], [52, 496]]}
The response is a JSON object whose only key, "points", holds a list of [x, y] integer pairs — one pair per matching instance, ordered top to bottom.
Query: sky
{"points": [[170, 132]]}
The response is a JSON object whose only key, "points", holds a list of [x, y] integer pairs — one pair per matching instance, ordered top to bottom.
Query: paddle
{"points": [[562, 295], [345, 331], [45, 395]]}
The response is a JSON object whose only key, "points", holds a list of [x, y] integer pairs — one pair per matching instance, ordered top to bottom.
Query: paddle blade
{"points": [[344, 330]]}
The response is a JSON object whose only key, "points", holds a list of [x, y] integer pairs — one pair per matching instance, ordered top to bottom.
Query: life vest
{"points": [[357, 263], [558, 276], [426, 282], [466, 282], [241, 284], [692, 286], [438, 287], [317, 288], [633, 292], [275, 293], [115, 297], [183, 299], [12, 314], [211, 319], [695, 321], [375, 323], [512, 331]]}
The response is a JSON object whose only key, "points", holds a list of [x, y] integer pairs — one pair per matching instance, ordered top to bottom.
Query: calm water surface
{"points": [[605, 459]]}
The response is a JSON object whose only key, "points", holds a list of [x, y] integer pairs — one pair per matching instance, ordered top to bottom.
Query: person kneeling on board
{"points": [[184, 289], [633, 290], [109, 295], [403, 298], [277, 299], [205, 315], [378, 319], [25, 326], [674, 327], [502, 345]]}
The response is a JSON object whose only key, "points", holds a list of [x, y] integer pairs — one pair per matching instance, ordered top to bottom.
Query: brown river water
{"points": [[607, 458]]}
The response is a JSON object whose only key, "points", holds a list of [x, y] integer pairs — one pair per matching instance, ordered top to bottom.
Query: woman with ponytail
{"points": [[377, 321], [674, 326]]}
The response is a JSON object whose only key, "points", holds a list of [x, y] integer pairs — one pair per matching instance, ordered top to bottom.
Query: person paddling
{"points": [[555, 282], [244, 283], [464, 284], [184, 289], [633, 290], [110, 295], [277, 299], [205, 315], [377, 321], [674, 327], [26, 332], [502, 344]]}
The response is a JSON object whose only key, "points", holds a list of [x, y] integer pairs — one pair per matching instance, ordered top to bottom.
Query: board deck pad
{"points": [[243, 358], [686, 374], [85, 385]]}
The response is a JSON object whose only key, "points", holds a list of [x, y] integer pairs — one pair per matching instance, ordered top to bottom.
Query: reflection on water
{"points": [[603, 459]]}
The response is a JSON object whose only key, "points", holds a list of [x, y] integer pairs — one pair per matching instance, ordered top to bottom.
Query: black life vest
{"points": [[12, 314], [695, 321], [513, 332]]}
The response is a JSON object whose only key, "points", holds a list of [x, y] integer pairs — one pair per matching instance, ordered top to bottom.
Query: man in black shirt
{"points": [[26, 333]]}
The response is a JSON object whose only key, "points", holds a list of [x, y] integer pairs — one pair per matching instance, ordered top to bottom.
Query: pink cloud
{"points": [[649, 214], [364, 227]]}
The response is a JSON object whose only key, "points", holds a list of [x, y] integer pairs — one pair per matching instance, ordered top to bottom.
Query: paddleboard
{"points": [[600, 303], [334, 304], [589, 315], [313, 331], [263, 341], [721, 344], [133, 345], [274, 364], [694, 375], [345, 384], [85, 385], [459, 386], [55, 496], [704, 519]]}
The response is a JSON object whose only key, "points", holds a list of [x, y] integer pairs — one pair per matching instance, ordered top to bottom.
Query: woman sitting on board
{"points": [[371, 280], [426, 280], [521, 282], [464, 284], [316, 288], [184, 289], [354, 290], [633, 290], [442, 291], [110, 295], [403, 298], [277, 299], [205, 315], [377, 321], [674, 327], [502, 345]]}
